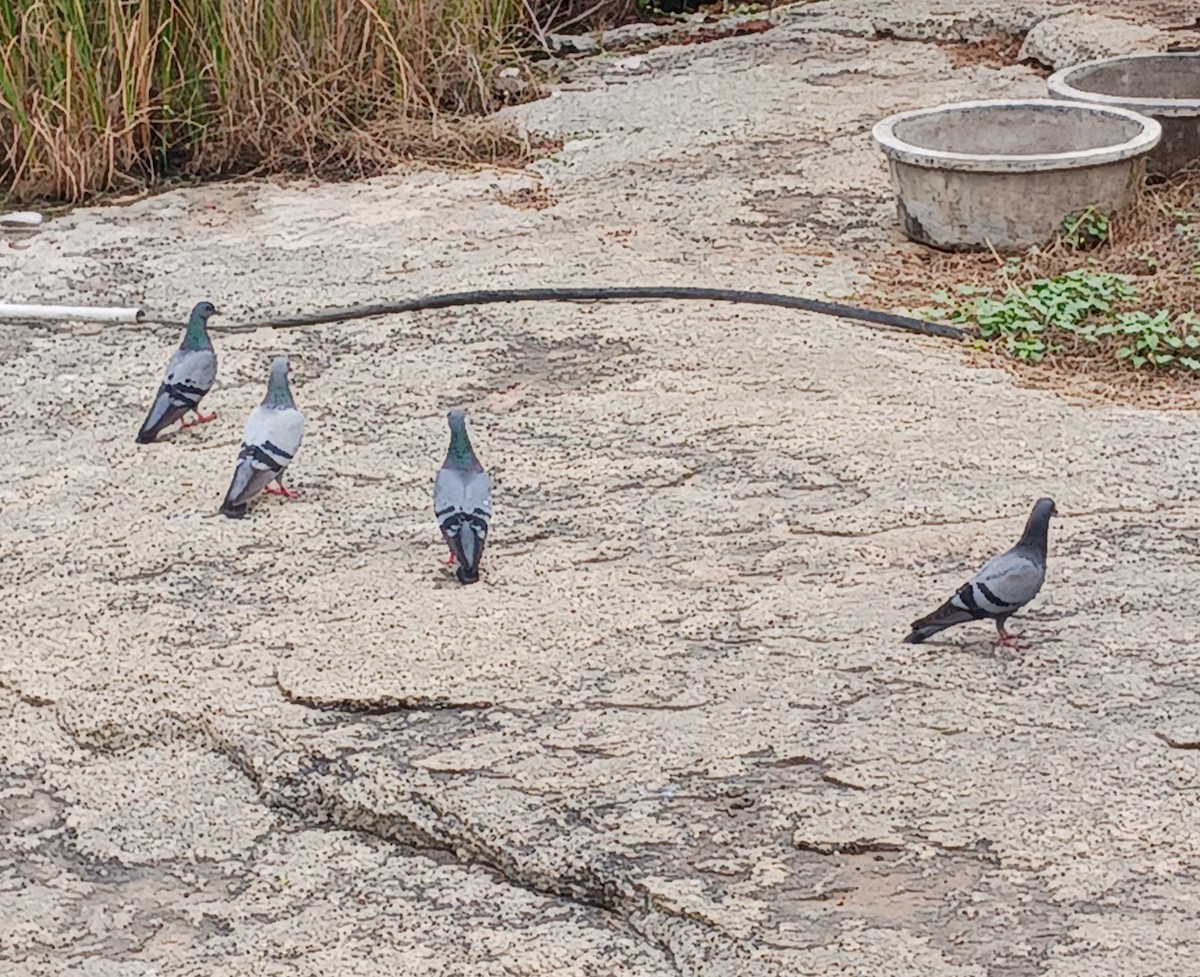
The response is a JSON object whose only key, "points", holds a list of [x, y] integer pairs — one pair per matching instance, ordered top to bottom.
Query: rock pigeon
{"points": [[190, 374], [272, 439], [462, 501], [1004, 585]]}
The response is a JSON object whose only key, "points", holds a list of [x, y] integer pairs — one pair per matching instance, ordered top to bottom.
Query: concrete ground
{"points": [[674, 730]]}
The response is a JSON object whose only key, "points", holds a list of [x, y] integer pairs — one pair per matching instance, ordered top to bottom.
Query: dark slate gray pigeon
{"points": [[190, 374], [272, 438], [462, 501], [1004, 585]]}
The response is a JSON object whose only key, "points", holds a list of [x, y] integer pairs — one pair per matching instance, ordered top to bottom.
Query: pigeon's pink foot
{"points": [[200, 419], [276, 489], [450, 562], [1009, 639]]}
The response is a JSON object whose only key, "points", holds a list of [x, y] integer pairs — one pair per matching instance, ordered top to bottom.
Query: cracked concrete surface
{"points": [[673, 731]]}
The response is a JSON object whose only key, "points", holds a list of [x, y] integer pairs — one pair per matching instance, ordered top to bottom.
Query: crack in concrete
{"points": [[29, 699], [377, 706], [647, 706], [1175, 744], [862, 847], [644, 913]]}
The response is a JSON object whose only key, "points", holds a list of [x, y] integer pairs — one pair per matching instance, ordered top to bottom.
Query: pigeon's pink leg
{"points": [[200, 419], [275, 488], [450, 562], [1009, 639]]}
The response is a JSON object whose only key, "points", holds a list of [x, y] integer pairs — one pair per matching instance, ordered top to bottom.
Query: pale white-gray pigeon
{"points": [[272, 438], [1004, 584]]}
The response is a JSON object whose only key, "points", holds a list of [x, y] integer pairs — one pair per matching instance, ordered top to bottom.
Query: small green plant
{"points": [[1085, 229], [1035, 320], [1155, 339]]}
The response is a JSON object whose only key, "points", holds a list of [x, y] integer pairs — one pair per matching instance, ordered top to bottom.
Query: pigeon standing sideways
{"points": [[190, 374], [272, 439], [462, 501], [1004, 584]]}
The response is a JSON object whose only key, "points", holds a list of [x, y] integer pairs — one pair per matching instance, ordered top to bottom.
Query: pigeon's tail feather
{"points": [[163, 413], [150, 431], [247, 482], [233, 511], [466, 535], [944, 617], [922, 634]]}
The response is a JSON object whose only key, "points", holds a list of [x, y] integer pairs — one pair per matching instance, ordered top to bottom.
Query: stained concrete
{"points": [[1074, 37], [673, 730]]}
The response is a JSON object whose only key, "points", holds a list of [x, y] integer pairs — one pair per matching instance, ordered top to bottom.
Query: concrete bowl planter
{"points": [[1165, 87], [1004, 173]]}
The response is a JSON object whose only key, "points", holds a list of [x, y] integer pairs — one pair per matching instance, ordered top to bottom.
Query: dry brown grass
{"points": [[108, 95], [1156, 243], [1094, 380]]}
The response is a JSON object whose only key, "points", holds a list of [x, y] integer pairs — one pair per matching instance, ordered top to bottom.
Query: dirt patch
{"points": [[1175, 13], [716, 32], [995, 51], [527, 198], [801, 217], [1155, 244], [1103, 386]]}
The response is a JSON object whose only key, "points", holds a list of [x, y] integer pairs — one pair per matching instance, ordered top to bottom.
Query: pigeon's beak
{"points": [[1054, 510]]}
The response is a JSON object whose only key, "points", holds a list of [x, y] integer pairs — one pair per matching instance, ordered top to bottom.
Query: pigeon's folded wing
{"points": [[189, 376], [271, 440], [477, 495], [1007, 582]]}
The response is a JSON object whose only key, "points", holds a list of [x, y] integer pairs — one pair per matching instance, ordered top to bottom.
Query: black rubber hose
{"points": [[485, 297]]}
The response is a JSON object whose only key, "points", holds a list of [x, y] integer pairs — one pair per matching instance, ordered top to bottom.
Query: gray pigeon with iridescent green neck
{"points": [[190, 375], [272, 438], [462, 501], [1004, 584]]}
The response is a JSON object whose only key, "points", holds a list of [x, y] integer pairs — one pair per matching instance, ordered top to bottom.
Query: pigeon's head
{"points": [[203, 310], [279, 369], [279, 394], [457, 420], [1039, 518], [1037, 526]]}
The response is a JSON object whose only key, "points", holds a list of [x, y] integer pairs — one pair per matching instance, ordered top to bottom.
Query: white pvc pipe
{"points": [[21, 218], [72, 313]]}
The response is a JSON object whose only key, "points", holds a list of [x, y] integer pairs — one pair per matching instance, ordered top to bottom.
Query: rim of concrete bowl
{"points": [[1060, 84], [884, 134]]}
